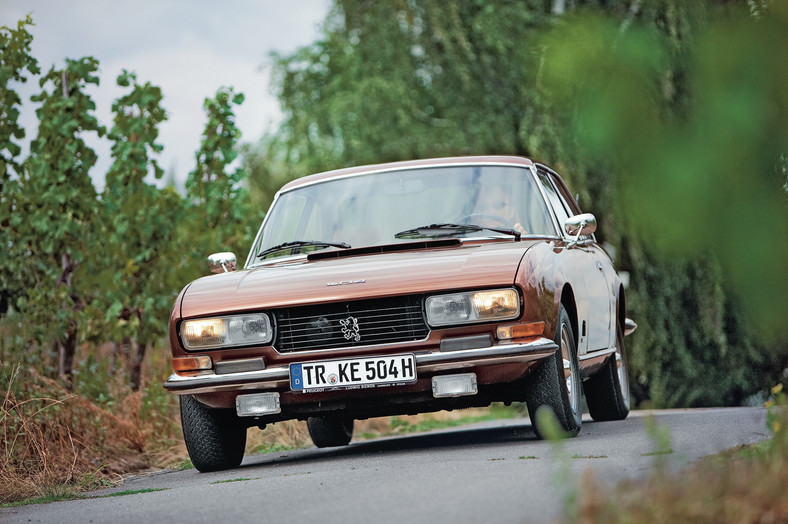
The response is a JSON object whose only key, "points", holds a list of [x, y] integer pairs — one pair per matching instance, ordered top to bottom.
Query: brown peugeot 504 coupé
{"points": [[396, 289]]}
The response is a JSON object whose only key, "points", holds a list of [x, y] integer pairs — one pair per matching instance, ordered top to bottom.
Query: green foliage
{"points": [[15, 61], [400, 80], [686, 114], [672, 138], [699, 164], [52, 209], [220, 213], [138, 238], [82, 267], [239, 479]]}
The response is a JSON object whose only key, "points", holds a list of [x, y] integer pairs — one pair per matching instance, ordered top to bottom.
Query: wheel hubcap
{"points": [[623, 379], [572, 386]]}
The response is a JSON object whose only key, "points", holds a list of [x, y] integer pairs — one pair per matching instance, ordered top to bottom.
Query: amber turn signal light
{"points": [[531, 329], [191, 363]]}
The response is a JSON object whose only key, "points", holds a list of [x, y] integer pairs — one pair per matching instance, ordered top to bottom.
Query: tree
{"points": [[15, 63], [400, 80], [691, 126], [55, 209], [221, 216], [139, 222]]}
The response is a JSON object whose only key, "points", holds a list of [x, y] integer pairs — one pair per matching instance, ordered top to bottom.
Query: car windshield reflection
{"points": [[374, 209]]}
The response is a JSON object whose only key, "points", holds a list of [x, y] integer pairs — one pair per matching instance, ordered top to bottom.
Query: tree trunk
{"points": [[66, 350], [136, 366]]}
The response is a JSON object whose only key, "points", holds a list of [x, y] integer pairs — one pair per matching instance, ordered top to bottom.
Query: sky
{"points": [[189, 48]]}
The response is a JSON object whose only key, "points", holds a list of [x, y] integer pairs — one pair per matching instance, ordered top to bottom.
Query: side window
{"points": [[554, 199], [568, 202]]}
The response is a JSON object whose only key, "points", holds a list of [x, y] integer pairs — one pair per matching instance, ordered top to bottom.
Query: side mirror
{"points": [[580, 225], [222, 262]]}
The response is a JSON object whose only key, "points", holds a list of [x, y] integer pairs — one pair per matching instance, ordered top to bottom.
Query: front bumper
{"points": [[278, 377]]}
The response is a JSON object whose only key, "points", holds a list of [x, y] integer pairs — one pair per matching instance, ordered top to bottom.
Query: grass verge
{"points": [[57, 441], [743, 485], [68, 494]]}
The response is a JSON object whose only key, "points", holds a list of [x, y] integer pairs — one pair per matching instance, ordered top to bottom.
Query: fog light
{"points": [[454, 385], [257, 404]]}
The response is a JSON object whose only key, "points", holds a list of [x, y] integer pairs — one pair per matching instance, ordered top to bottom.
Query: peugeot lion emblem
{"points": [[350, 328]]}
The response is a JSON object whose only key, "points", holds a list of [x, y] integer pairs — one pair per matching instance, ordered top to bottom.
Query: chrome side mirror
{"points": [[579, 225], [222, 262]]}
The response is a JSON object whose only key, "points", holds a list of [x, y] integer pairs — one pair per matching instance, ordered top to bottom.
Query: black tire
{"points": [[548, 386], [607, 391], [330, 432], [215, 439]]}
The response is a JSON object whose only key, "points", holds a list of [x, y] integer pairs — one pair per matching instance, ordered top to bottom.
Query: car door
{"points": [[592, 293]]}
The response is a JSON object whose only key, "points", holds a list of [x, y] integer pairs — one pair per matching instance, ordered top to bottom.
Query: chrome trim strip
{"points": [[394, 168], [505, 350], [597, 354], [270, 377]]}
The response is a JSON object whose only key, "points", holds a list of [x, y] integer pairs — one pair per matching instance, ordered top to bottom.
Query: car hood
{"points": [[291, 283]]}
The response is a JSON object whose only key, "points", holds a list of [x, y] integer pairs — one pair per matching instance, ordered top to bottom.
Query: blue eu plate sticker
{"points": [[296, 382]]}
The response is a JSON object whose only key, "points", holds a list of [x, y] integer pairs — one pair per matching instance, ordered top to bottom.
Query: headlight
{"points": [[473, 306], [221, 332]]}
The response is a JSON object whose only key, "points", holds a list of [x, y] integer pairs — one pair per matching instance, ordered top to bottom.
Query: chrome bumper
{"points": [[278, 377]]}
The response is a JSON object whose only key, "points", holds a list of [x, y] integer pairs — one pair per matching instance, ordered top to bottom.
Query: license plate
{"points": [[352, 372]]}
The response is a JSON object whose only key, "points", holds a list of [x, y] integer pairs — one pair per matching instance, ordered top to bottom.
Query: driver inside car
{"points": [[493, 207]]}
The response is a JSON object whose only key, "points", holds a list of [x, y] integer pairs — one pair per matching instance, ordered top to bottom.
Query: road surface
{"points": [[493, 472]]}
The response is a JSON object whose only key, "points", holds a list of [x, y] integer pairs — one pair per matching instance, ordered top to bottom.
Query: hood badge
{"points": [[346, 282], [350, 329]]}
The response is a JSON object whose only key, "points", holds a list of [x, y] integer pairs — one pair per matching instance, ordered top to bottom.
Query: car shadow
{"points": [[448, 439]]}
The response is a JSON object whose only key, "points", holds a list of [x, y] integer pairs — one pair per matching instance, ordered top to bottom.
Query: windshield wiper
{"points": [[446, 230], [300, 243]]}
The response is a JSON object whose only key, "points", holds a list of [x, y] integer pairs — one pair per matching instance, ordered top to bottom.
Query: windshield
{"points": [[367, 210]]}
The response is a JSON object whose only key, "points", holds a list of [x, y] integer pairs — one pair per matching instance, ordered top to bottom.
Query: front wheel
{"points": [[556, 383], [330, 432], [214, 438]]}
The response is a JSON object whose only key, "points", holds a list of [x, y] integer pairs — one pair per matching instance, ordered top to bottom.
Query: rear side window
{"points": [[556, 202]]}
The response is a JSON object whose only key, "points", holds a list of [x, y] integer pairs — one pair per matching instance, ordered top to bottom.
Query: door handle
{"points": [[599, 265]]}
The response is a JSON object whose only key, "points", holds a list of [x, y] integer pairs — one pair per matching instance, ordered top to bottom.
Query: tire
{"points": [[548, 385], [607, 391], [330, 432], [214, 437]]}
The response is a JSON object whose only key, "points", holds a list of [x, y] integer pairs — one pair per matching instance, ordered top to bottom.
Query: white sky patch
{"points": [[188, 48]]}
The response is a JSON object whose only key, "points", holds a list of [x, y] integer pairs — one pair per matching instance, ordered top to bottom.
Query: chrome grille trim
{"points": [[378, 321]]}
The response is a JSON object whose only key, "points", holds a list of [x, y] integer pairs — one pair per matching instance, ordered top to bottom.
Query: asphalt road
{"points": [[490, 473]]}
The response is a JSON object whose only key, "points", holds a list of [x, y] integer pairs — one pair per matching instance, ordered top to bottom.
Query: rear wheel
{"points": [[556, 383], [607, 391], [330, 432], [214, 438]]}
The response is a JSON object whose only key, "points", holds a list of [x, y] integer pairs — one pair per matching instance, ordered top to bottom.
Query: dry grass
{"points": [[51, 437], [58, 440], [746, 485]]}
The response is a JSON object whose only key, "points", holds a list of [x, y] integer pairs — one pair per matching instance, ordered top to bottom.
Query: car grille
{"points": [[348, 324]]}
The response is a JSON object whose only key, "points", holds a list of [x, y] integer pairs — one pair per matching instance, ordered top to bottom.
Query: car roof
{"points": [[394, 166]]}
